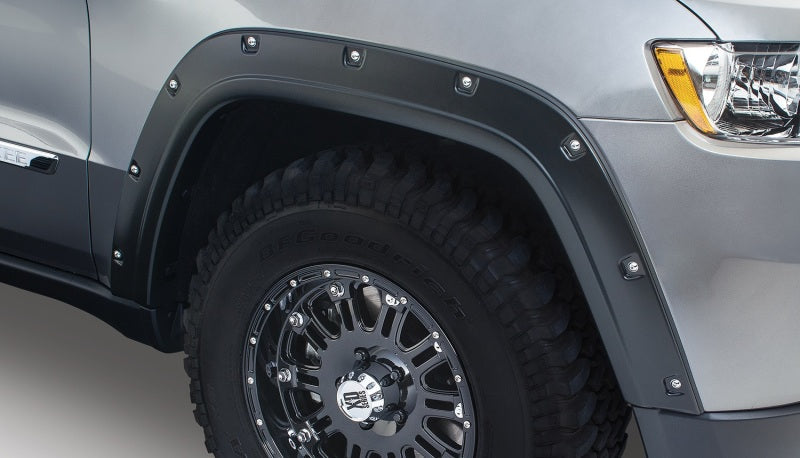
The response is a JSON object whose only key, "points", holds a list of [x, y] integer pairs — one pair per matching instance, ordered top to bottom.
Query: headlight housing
{"points": [[741, 91]]}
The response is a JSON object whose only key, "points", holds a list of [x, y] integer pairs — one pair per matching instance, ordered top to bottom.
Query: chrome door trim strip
{"points": [[28, 158]]}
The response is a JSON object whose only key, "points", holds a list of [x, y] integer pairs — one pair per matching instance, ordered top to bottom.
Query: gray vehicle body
{"points": [[713, 222]]}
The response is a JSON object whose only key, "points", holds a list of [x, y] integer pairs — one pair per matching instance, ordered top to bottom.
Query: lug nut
{"points": [[252, 42], [355, 56], [466, 82], [173, 84], [575, 145], [134, 170], [117, 255], [632, 267], [326, 273], [365, 279], [293, 283], [336, 289], [390, 300], [403, 300], [268, 306], [295, 320], [435, 335], [253, 341], [361, 354], [284, 375], [391, 378], [457, 378], [250, 380], [675, 384], [399, 416], [260, 422], [467, 425], [303, 436]]}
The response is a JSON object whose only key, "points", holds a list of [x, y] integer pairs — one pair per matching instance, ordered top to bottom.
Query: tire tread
{"points": [[577, 409]]}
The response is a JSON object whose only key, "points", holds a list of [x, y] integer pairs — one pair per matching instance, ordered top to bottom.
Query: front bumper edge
{"points": [[764, 433]]}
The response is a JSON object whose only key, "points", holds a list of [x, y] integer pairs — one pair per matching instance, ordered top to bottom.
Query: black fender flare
{"points": [[509, 119]]}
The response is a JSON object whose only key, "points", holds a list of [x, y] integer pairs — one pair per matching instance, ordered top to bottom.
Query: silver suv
{"points": [[424, 229]]}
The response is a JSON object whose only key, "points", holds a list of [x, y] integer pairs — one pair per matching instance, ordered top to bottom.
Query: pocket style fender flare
{"points": [[507, 118]]}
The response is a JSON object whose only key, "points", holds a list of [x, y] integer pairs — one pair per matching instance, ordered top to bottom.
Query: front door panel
{"points": [[44, 132]]}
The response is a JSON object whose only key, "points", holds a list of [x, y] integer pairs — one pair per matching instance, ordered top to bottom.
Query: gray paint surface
{"points": [[745, 20], [132, 59], [44, 77], [44, 103], [720, 223]]}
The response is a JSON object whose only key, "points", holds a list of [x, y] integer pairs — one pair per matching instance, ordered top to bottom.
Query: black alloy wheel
{"points": [[357, 366]]}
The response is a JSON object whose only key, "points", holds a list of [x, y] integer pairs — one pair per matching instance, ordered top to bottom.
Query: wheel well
{"points": [[245, 140], [163, 217]]}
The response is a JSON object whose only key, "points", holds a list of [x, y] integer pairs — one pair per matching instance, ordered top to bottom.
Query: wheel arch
{"points": [[512, 121]]}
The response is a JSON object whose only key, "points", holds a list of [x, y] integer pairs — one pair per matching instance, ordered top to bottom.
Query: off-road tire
{"points": [[539, 375]]}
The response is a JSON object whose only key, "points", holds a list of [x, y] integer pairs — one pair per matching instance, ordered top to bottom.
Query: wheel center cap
{"points": [[359, 395]]}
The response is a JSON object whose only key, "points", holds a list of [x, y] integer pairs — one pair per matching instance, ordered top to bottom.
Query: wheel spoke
{"points": [[347, 314], [381, 319], [397, 325], [315, 335], [419, 349], [426, 358], [304, 379], [439, 397], [440, 405], [320, 420], [428, 445], [352, 450]]}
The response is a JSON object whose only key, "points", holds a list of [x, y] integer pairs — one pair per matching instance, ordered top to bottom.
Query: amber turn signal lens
{"points": [[676, 73]]}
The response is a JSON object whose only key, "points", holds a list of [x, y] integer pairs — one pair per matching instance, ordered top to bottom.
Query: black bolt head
{"points": [[361, 354], [366, 425]]}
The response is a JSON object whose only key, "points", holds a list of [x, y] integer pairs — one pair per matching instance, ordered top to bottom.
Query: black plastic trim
{"points": [[509, 119], [148, 326], [740, 434]]}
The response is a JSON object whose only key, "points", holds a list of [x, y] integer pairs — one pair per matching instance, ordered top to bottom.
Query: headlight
{"points": [[744, 91]]}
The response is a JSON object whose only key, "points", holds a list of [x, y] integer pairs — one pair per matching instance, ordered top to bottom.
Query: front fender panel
{"points": [[510, 120]]}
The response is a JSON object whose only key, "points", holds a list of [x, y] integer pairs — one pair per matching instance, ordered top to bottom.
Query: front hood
{"points": [[750, 20]]}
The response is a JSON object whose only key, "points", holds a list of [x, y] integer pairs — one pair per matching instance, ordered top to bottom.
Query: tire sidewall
{"points": [[314, 234]]}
